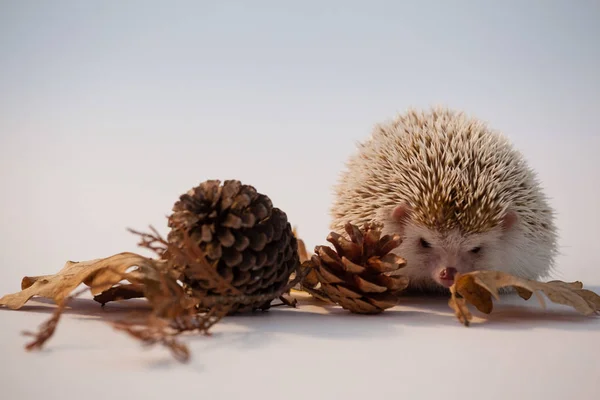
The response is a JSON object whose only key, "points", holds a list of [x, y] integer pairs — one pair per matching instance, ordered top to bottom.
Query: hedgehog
{"points": [[460, 195]]}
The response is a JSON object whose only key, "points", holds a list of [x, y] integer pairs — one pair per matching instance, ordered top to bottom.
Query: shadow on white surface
{"points": [[313, 318], [311, 330]]}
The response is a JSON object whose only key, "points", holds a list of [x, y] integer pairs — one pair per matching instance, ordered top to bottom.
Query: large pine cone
{"points": [[243, 237], [360, 275]]}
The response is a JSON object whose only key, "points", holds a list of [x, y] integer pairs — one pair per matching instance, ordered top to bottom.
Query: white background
{"points": [[110, 110]]}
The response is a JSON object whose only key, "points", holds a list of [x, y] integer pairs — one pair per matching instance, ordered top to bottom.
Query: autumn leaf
{"points": [[302, 251], [99, 274], [311, 276], [479, 287], [459, 305]]}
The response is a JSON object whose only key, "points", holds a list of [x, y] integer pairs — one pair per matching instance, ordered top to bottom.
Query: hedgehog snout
{"points": [[447, 275]]}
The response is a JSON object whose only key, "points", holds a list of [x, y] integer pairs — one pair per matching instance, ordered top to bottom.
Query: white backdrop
{"points": [[110, 110]]}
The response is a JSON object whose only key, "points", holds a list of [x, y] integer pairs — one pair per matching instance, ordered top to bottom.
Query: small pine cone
{"points": [[243, 237], [360, 275]]}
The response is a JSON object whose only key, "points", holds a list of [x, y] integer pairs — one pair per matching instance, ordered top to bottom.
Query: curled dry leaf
{"points": [[99, 275], [479, 288]]}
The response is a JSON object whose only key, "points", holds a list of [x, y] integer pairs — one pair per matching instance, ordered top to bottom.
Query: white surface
{"points": [[109, 110], [416, 351]]}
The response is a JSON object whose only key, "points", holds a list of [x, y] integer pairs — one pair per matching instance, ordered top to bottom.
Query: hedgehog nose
{"points": [[447, 274]]}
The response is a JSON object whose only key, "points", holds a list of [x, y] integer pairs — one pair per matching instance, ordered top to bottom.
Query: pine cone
{"points": [[243, 237], [361, 274]]}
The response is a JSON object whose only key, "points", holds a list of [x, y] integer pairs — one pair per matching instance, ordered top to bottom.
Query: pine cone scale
{"points": [[232, 221], [344, 246], [327, 255], [349, 266], [327, 276], [393, 283], [368, 287], [343, 291]]}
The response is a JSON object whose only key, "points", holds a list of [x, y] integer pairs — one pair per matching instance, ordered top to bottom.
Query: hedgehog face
{"points": [[434, 257]]}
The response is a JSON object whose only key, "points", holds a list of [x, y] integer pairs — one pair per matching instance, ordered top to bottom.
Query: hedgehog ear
{"points": [[400, 213], [396, 217], [509, 220]]}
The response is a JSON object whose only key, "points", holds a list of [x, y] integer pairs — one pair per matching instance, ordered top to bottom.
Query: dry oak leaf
{"points": [[99, 274], [478, 288]]}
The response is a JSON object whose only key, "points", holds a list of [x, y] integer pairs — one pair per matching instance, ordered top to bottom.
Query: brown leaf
{"points": [[302, 251], [99, 275], [311, 279], [478, 288], [120, 292], [523, 293], [474, 294], [592, 298], [459, 305]]}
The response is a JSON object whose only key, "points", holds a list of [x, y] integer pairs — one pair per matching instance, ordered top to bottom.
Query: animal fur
{"points": [[442, 178]]}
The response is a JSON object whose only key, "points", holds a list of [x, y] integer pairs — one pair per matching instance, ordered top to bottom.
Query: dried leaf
{"points": [[302, 251], [99, 275], [478, 288], [120, 292], [474, 294], [459, 305]]}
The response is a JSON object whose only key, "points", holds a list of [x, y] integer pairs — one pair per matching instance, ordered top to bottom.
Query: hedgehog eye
{"points": [[424, 243], [476, 250]]}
